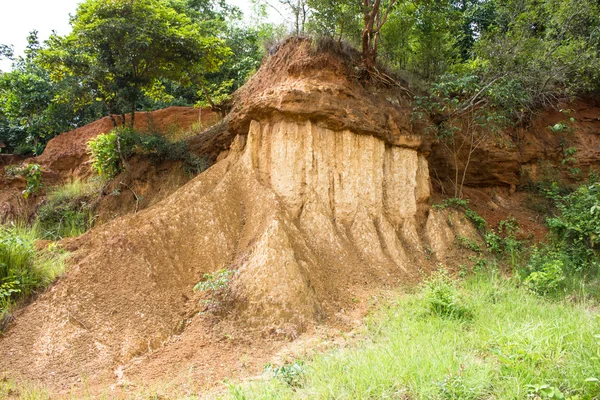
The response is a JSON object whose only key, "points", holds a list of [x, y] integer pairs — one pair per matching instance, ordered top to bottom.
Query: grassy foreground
{"points": [[487, 339]]}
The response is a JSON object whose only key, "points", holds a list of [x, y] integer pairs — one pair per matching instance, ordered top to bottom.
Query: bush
{"points": [[104, 151], [32, 174], [68, 210], [577, 228], [504, 240], [547, 278], [442, 297]]}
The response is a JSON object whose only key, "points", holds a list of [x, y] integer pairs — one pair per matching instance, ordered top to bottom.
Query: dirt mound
{"points": [[66, 154], [309, 220]]}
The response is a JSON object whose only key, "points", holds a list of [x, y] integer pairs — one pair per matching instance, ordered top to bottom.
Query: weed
{"points": [[107, 152], [463, 205], [68, 210], [504, 240], [468, 244], [547, 278], [215, 281], [217, 286], [442, 297], [517, 345], [291, 374]]}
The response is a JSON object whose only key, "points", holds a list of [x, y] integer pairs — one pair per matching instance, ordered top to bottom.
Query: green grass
{"points": [[74, 189], [68, 210], [23, 268], [514, 345], [12, 390]]}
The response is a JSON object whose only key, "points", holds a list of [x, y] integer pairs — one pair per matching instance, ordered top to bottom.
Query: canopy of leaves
{"points": [[123, 48]]}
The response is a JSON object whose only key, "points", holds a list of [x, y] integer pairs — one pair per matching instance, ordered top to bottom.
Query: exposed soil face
{"points": [[521, 155], [66, 157]]}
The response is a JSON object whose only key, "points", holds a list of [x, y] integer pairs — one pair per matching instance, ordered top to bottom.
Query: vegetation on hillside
{"points": [[24, 269], [482, 337]]}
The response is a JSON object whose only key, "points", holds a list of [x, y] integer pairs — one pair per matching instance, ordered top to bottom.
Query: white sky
{"points": [[19, 17]]}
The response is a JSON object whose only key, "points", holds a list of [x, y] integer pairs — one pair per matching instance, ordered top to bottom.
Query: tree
{"points": [[375, 14], [122, 49], [33, 109]]}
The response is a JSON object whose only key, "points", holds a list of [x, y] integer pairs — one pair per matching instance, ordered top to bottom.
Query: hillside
{"points": [[319, 198]]}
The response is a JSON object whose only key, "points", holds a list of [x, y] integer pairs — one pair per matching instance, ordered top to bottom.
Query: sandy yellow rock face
{"points": [[353, 176]]}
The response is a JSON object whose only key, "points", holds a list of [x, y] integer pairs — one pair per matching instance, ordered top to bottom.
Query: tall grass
{"points": [[74, 189], [69, 209], [23, 268], [513, 345]]}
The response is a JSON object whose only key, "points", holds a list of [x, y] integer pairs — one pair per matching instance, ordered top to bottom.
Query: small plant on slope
{"points": [[216, 284], [443, 298]]}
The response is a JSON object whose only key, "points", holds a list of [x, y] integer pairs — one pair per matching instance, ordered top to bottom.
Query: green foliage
{"points": [[122, 49], [33, 109], [160, 148], [104, 154], [106, 160], [32, 174], [33, 179], [463, 205], [68, 210], [577, 228], [504, 240], [467, 243], [23, 269], [545, 278], [215, 281], [442, 297], [516, 345], [291, 373], [545, 391]]}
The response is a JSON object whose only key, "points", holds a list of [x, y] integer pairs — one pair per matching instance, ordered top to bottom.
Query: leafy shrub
{"points": [[162, 148], [104, 151], [106, 160], [33, 179], [577, 228], [504, 240], [467, 243], [547, 278], [214, 281], [216, 284], [443, 298], [290, 373]]}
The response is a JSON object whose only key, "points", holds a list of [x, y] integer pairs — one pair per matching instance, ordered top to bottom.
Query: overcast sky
{"points": [[19, 17]]}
